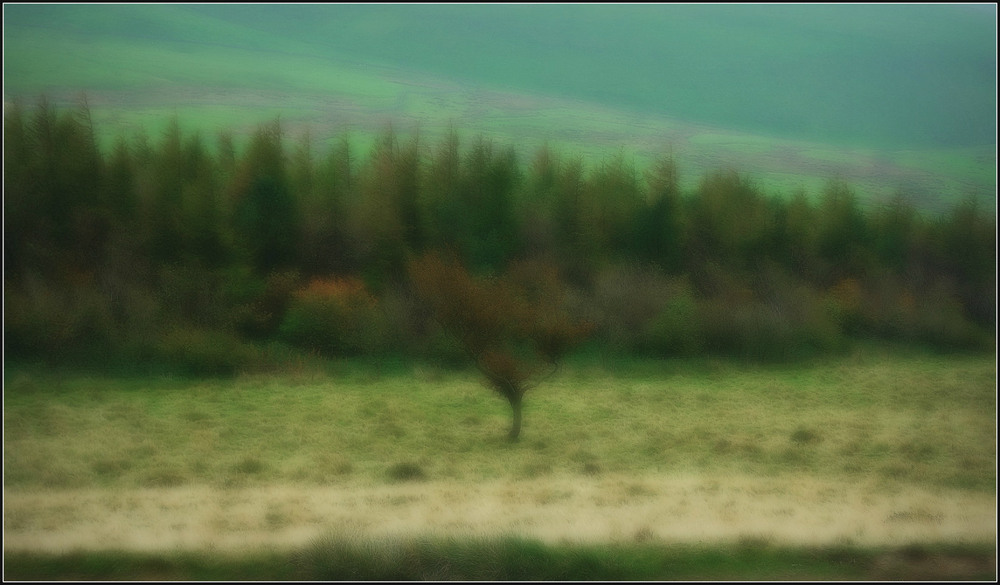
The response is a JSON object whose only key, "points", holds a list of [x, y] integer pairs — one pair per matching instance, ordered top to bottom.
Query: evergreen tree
{"points": [[489, 180], [612, 200], [442, 210], [267, 220], [386, 223], [842, 232], [658, 235]]}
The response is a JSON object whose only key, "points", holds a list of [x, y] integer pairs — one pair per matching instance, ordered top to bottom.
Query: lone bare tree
{"points": [[512, 327]]}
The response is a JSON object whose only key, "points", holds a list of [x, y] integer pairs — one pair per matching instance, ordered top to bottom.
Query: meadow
{"points": [[792, 372], [880, 463]]}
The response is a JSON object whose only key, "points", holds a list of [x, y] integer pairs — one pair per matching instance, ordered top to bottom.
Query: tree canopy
{"points": [[128, 250]]}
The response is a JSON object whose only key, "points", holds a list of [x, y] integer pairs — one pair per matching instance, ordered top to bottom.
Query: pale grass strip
{"points": [[794, 510]]}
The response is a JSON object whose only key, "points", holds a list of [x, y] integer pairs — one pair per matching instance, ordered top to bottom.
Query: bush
{"points": [[191, 293], [846, 299], [625, 300], [259, 304], [884, 307], [335, 316], [41, 318], [940, 321], [395, 323], [806, 323], [677, 329], [769, 330], [440, 348], [205, 352]]}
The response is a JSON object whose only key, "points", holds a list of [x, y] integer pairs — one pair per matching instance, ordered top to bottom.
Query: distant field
{"points": [[212, 80], [933, 179]]}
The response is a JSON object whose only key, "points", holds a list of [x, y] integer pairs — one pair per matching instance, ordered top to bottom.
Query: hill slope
{"points": [[889, 99]]}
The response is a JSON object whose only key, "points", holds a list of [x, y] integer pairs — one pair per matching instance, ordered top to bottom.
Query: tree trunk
{"points": [[515, 427]]}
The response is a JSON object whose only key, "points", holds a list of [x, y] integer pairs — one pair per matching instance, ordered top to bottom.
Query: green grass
{"points": [[970, 164], [888, 419], [921, 419], [510, 559]]}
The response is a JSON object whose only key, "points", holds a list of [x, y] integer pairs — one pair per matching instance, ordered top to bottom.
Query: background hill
{"points": [[887, 97]]}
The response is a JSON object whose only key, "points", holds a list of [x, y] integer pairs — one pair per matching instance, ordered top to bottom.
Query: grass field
{"points": [[877, 464], [628, 469]]}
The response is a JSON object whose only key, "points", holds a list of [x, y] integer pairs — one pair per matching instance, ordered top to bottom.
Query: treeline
{"points": [[212, 257]]}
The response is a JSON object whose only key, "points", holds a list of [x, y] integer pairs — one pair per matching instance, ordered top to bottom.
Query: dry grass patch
{"points": [[727, 509]]}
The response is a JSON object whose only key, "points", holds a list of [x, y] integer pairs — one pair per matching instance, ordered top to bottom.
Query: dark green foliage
{"points": [[52, 160], [491, 176], [611, 202], [468, 205], [266, 215], [730, 221], [384, 222], [657, 226], [894, 227], [842, 232], [968, 241], [326, 243], [571, 244], [115, 250], [624, 301], [263, 304], [333, 317], [43, 320], [677, 328], [205, 352], [406, 472], [516, 559]]}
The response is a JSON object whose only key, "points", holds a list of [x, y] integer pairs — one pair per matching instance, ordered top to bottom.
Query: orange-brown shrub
{"points": [[333, 316], [512, 327]]}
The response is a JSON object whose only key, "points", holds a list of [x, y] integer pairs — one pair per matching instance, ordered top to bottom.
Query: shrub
{"points": [[191, 293], [846, 298], [625, 300], [262, 303], [886, 308], [334, 316], [41, 318], [940, 321], [806, 322], [395, 324], [513, 327], [743, 329], [676, 330], [775, 330], [442, 349], [205, 352]]}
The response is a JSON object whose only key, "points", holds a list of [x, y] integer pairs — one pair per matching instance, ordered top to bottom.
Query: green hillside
{"points": [[891, 99]]}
